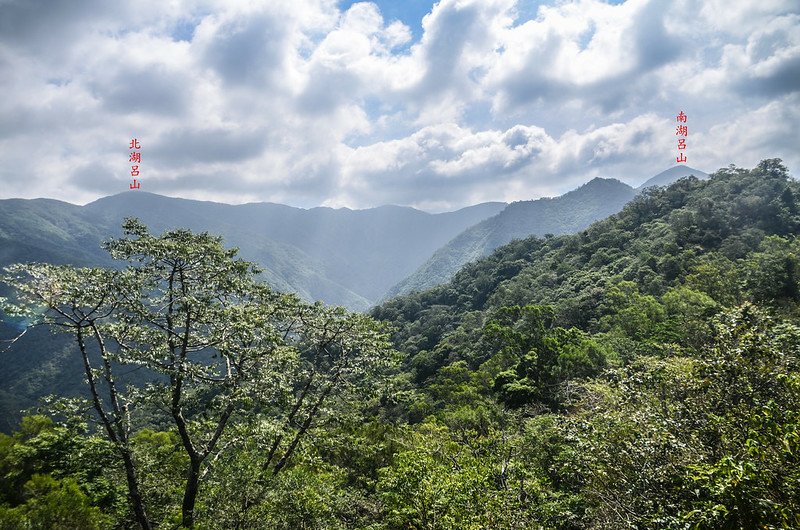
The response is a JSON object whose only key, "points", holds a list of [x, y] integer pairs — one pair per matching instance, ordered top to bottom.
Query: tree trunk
{"points": [[289, 421], [303, 428], [118, 438], [190, 493], [134, 497]]}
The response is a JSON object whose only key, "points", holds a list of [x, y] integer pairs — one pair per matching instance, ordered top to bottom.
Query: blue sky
{"points": [[409, 12], [358, 104]]}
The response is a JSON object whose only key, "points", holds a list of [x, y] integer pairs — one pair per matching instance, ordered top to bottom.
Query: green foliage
{"points": [[773, 273], [219, 350], [541, 357], [642, 374], [675, 402], [706, 442], [162, 467], [55, 476], [437, 483], [52, 504]]}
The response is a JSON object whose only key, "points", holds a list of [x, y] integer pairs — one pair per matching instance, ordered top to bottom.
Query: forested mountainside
{"points": [[566, 214], [693, 230], [343, 257], [643, 373], [640, 374]]}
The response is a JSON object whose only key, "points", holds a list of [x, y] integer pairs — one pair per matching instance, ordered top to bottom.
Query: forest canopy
{"points": [[643, 373]]}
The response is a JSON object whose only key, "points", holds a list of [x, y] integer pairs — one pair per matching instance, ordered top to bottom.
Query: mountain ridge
{"points": [[567, 213], [62, 233], [480, 240], [341, 256]]}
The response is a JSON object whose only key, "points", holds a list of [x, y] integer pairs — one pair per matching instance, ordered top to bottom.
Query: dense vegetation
{"points": [[567, 214], [640, 374]]}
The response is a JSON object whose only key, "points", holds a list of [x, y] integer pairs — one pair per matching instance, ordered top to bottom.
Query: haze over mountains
{"points": [[343, 257]]}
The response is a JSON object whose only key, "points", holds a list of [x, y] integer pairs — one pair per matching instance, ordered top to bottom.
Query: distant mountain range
{"points": [[566, 214], [341, 256]]}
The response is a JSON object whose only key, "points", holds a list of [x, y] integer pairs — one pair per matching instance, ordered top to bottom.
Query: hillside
{"points": [[566, 214], [693, 231], [343, 257], [646, 368]]}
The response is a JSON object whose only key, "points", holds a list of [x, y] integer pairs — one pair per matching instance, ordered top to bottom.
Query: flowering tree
{"points": [[211, 346]]}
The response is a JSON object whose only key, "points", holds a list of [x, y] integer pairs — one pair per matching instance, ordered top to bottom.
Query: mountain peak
{"points": [[668, 176], [605, 181], [600, 185], [568, 213]]}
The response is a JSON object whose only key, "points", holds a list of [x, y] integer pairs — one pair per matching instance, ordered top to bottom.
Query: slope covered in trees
{"points": [[566, 214], [694, 233], [343, 257], [644, 373], [640, 374]]}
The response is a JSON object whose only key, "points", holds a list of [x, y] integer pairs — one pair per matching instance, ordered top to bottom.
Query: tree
{"points": [[773, 273], [78, 301], [215, 345], [542, 356], [708, 440], [54, 504]]}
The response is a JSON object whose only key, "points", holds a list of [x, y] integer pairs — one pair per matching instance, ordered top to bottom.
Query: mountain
{"points": [[667, 177], [566, 214], [49, 231], [732, 237], [341, 256], [655, 347], [642, 370]]}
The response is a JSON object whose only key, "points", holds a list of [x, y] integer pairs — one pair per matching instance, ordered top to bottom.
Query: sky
{"points": [[359, 104]]}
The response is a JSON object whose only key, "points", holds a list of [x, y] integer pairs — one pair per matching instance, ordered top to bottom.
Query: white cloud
{"points": [[304, 103], [770, 129]]}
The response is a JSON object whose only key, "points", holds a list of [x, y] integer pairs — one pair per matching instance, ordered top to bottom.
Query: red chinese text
{"points": [[681, 130], [136, 158]]}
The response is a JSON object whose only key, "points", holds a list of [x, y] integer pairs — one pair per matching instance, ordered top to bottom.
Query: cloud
{"points": [[245, 50], [590, 52], [153, 90], [309, 103], [771, 128], [187, 146], [455, 163]]}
